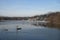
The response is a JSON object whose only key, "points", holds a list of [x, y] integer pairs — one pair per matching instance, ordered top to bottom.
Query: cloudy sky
{"points": [[28, 7]]}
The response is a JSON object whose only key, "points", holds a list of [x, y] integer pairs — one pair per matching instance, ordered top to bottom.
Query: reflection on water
{"points": [[28, 31]]}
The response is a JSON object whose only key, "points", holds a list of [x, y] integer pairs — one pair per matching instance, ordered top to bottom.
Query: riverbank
{"points": [[53, 18]]}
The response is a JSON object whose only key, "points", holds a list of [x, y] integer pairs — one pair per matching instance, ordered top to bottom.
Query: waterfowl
{"points": [[18, 28], [5, 29]]}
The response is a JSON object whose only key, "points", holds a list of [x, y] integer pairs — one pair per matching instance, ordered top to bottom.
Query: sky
{"points": [[20, 8]]}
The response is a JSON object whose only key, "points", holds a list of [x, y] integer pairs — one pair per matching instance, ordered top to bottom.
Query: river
{"points": [[28, 31]]}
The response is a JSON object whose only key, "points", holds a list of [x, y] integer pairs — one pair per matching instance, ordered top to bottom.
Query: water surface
{"points": [[28, 31]]}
